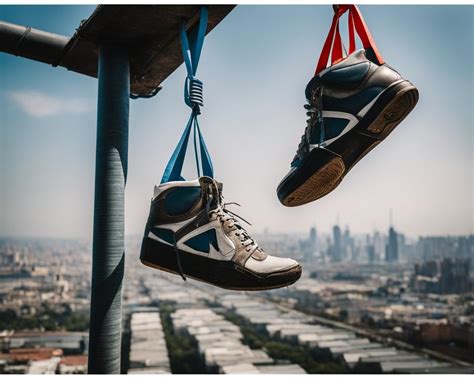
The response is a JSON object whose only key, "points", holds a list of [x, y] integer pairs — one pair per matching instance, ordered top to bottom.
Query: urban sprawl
{"points": [[374, 303]]}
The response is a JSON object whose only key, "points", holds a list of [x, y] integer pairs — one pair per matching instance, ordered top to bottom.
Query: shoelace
{"points": [[313, 109], [226, 217], [229, 220]]}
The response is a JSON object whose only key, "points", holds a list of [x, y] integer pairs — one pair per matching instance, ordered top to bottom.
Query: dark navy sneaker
{"points": [[352, 106], [191, 232]]}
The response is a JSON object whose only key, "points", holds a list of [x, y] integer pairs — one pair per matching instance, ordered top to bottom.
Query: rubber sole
{"points": [[323, 169], [319, 184], [224, 274]]}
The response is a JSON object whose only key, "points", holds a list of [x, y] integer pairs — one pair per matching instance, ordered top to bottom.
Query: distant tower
{"points": [[313, 237], [309, 246], [379, 246], [337, 247], [347, 249], [402, 250], [391, 253], [371, 254]]}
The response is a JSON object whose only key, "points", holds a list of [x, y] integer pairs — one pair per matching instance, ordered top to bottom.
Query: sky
{"points": [[254, 66]]}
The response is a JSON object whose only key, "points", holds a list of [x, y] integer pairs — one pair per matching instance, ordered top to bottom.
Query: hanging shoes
{"points": [[352, 106], [190, 232]]}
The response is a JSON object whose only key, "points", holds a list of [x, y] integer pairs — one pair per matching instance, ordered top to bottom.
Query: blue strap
{"points": [[191, 56], [193, 98], [196, 156], [206, 162], [175, 164]]}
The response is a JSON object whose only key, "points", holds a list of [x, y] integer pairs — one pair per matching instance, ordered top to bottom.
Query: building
{"points": [[313, 236], [309, 246], [379, 246], [433, 248], [335, 250], [348, 250], [391, 251], [371, 254], [446, 276], [454, 276], [219, 342], [148, 352], [355, 352]]}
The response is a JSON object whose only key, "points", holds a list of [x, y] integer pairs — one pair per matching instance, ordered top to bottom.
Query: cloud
{"points": [[38, 104]]}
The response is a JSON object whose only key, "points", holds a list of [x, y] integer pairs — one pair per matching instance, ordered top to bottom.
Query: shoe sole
{"points": [[384, 116], [224, 274]]}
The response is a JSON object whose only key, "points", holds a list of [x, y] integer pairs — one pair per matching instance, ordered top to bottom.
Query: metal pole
{"points": [[32, 43], [110, 178]]}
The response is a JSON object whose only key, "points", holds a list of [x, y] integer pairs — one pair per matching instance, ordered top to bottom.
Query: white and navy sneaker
{"points": [[352, 106], [190, 232]]}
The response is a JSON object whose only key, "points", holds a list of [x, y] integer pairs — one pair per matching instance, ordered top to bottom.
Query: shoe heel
{"points": [[395, 111], [321, 182], [158, 255]]}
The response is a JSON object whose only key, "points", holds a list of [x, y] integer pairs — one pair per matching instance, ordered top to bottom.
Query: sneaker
{"points": [[352, 106], [190, 232]]}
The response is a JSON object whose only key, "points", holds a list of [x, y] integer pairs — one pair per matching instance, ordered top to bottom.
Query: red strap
{"points": [[357, 24], [364, 34], [352, 42], [337, 45], [323, 58]]}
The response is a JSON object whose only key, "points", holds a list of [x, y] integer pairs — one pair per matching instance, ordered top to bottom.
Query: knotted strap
{"points": [[356, 24], [194, 99]]}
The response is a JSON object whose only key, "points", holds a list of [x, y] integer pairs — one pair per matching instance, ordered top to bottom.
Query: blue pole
{"points": [[108, 242]]}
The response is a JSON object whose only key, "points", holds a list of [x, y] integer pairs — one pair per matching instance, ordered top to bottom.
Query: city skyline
{"points": [[48, 126], [267, 231], [332, 320]]}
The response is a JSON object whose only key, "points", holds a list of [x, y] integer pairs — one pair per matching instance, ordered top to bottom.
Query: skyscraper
{"points": [[313, 237], [347, 245], [308, 247], [379, 247], [336, 251], [391, 251]]}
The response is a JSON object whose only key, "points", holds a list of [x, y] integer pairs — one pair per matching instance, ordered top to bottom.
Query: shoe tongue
{"points": [[207, 180], [212, 186]]}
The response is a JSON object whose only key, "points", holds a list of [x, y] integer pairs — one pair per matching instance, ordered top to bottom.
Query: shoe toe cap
{"points": [[270, 264]]}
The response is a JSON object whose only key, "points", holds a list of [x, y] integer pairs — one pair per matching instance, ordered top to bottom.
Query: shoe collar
{"points": [[354, 58], [198, 182]]}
